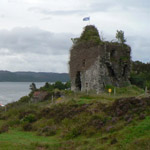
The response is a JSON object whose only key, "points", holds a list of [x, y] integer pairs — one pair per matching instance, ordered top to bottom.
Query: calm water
{"points": [[12, 91]]}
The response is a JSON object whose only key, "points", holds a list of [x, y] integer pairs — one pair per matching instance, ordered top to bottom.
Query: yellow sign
{"points": [[109, 90], [59, 99]]}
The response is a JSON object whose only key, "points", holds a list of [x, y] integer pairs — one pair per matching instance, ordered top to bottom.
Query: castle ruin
{"points": [[94, 64]]}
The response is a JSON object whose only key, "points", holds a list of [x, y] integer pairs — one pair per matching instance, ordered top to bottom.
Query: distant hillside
{"points": [[6, 76]]}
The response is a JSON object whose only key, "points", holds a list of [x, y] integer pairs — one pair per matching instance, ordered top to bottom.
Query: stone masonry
{"points": [[94, 64]]}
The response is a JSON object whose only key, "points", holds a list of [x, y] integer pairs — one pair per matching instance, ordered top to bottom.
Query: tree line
{"points": [[140, 74], [51, 86]]}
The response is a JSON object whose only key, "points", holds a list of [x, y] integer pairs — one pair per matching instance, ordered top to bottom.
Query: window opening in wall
{"points": [[112, 54], [124, 70], [78, 80], [104, 84], [86, 85]]}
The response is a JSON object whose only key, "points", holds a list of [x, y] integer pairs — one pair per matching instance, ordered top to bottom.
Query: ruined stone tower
{"points": [[94, 64]]}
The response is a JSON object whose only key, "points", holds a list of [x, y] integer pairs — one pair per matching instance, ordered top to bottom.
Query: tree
{"points": [[120, 37], [47, 85], [59, 85], [68, 85], [33, 87]]}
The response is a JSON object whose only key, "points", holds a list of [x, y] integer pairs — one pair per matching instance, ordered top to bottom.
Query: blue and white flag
{"points": [[86, 19]]}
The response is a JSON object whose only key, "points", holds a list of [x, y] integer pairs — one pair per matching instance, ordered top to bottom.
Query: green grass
{"points": [[129, 91], [77, 124], [139, 130], [15, 139]]}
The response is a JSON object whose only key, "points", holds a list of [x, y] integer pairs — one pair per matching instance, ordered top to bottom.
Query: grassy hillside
{"points": [[78, 122]]}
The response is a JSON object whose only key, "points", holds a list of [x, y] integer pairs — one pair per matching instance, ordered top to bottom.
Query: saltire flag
{"points": [[86, 19]]}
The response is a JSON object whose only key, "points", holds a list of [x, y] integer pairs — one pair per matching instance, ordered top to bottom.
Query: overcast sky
{"points": [[35, 35]]}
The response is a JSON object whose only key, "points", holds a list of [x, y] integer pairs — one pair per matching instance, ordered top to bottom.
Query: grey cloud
{"points": [[12, 1], [135, 3], [127, 5], [98, 6], [102, 6], [91, 9], [57, 12], [62, 12], [2, 16], [46, 19], [34, 40], [140, 48], [34, 49], [34, 62]]}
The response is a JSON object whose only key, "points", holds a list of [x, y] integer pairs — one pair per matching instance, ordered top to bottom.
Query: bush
{"points": [[120, 37], [59, 85], [24, 99], [29, 118], [12, 122], [41, 123], [27, 126], [4, 128], [47, 131], [90, 131], [73, 133], [42, 146]]}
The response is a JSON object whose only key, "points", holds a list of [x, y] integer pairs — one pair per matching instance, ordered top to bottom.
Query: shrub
{"points": [[120, 37], [59, 85], [24, 99], [11, 112], [23, 112], [29, 118], [13, 122], [43, 122], [67, 123], [27, 126], [4, 128], [47, 131], [90, 131], [72, 133], [42, 146]]}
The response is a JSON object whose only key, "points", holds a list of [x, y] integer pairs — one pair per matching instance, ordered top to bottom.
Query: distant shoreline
{"points": [[7, 76]]}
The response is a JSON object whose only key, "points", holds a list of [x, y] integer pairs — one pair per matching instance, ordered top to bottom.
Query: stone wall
{"points": [[83, 62], [94, 65], [90, 77]]}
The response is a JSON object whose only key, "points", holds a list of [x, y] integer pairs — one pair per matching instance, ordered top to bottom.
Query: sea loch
{"points": [[13, 91]]}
